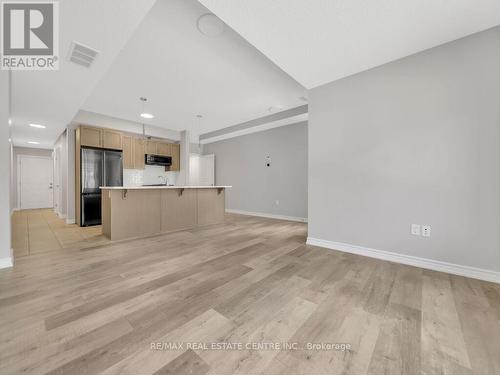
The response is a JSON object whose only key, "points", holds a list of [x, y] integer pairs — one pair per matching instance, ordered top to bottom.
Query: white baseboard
{"points": [[270, 216], [70, 221], [7, 262], [436, 265]]}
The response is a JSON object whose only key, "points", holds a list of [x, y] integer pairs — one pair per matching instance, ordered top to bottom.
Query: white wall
{"points": [[413, 141], [61, 145], [5, 171], [281, 188]]}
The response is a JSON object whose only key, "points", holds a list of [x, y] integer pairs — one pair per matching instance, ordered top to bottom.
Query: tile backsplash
{"points": [[151, 174]]}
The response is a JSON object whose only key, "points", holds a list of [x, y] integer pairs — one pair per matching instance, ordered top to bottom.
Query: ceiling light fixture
{"points": [[210, 25], [145, 114], [38, 126], [33, 143]]}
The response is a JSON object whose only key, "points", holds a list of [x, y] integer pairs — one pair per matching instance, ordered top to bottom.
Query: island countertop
{"points": [[164, 187], [143, 211]]}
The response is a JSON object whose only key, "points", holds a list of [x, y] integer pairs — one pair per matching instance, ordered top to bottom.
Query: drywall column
{"points": [[185, 150], [5, 170], [70, 175]]}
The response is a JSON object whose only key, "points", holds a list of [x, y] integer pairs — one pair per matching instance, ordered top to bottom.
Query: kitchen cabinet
{"points": [[91, 137], [112, 139], [151, 147], [164, 149], [128, 152], [139, 152], [176, 157]]}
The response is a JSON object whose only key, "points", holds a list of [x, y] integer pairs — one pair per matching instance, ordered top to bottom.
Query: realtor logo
{"points": [[30, 32]]}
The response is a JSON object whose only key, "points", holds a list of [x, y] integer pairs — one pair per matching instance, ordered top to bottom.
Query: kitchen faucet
{"points": [[164, 180]]}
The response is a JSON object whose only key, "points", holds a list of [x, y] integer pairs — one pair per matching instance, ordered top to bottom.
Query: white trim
{"points": [[259, 128], [270, 216], [70, 221], [8, 261], [436, 265]]}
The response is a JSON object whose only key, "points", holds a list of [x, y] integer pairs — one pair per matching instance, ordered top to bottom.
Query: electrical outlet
{"points": [[415, 229], [426, 230]]}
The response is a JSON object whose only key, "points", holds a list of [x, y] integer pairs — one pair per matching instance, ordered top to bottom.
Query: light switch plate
{"points": [[415, 229], [426, 230]]}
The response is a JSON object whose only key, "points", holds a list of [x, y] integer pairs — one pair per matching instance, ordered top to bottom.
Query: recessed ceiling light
{"points": [[210, 25], [147, 115], [38, 126], [33, 143]]}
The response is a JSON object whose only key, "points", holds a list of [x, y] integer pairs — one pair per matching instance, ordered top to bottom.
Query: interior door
{"points": [[36, 182]]}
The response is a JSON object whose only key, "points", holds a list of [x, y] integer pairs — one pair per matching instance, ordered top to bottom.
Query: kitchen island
{"points": [[133, 212]]}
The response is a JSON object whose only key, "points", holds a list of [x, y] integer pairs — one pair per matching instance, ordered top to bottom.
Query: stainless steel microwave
{"points": [[151, 159]]}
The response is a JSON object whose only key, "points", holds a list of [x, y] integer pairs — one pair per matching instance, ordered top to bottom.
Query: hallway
{"points": [[41, 230]]}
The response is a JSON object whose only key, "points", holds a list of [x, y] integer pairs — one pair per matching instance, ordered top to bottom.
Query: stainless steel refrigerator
{"points": [[98, 168]]}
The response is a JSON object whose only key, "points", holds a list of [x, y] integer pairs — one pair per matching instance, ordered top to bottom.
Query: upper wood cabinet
{"points": [[91, 137], [112, 139], [151, 147], [164, 149], [128, 152], [139, 152], [176, 157]]}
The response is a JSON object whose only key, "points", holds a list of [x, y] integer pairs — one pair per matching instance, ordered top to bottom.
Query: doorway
{"points": [[35, 182]]}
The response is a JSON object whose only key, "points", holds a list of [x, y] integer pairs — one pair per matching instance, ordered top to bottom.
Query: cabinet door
{"points": [[91, 137], [112, 139], [151, 147], [164, 149], [128, 152], [139, 152], [176, 157]]}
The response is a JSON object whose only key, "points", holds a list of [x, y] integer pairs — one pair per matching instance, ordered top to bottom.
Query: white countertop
{"points": [[162, 187]]}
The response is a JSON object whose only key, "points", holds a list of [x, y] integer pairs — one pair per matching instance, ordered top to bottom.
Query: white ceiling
{"points": [[319, 41], [184, 73], [52, 98]]}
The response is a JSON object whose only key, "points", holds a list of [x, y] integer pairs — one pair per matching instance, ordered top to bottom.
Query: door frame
{"points": [[19, 172], [57, 181]]}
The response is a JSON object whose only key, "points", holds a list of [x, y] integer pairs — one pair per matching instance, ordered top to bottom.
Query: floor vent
{"points": [[82, 55]]}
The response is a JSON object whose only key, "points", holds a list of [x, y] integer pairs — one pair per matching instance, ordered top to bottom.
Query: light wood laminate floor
{"points": [[83, 308]]}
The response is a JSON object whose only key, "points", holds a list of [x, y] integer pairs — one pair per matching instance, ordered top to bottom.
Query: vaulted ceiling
{"points": [[319, 41], [269, 54], [184, 73]]}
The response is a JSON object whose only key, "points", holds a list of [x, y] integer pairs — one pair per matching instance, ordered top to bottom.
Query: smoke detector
{"points": [[210, 25]]}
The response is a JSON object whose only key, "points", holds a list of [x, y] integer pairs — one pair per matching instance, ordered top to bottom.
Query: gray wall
{"points": [[413, 141], [25, 151], [241, 162], [5, 170]]}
